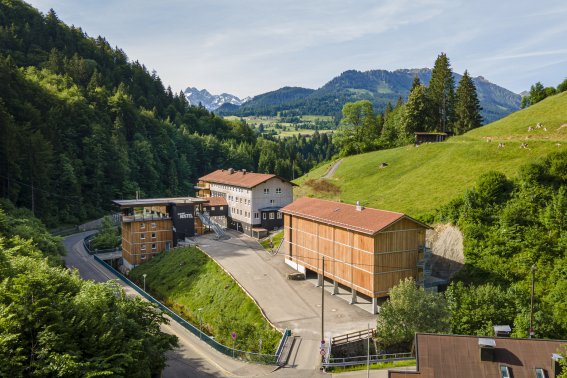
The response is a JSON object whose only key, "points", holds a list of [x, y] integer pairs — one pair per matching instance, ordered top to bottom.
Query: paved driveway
{"points": [[295, 305]]}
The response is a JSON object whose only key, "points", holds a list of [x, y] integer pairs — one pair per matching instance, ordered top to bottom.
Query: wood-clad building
{"points": [[151, 226], [367, 250]]}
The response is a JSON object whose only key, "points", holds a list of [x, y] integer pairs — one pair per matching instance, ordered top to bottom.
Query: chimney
{"points": [[230, 171], [244, 171], [359, 206], [502, 330], [486, 348]]}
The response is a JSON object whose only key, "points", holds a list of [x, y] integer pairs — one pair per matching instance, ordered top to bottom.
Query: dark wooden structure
{"points": [[424, 137], [449, 356]]}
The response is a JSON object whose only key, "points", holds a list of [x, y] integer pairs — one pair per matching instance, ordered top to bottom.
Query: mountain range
{"points": [[378, 86], [211, 102]]}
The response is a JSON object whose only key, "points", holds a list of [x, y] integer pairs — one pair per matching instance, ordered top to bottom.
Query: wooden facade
{"points": [[141, 240], [368, 264]]}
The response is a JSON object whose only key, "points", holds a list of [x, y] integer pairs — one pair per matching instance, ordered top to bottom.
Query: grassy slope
{"points": [[419, 180], [186, 280]]}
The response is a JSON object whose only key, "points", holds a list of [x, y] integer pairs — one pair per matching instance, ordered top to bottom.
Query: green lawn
{"points": [[419, 180], [276, 238], [186, 279], [379, 365]]}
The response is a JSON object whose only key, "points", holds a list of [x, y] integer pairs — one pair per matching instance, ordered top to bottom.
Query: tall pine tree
{"points": [[441, 94], [467, 106], [415, 116]]}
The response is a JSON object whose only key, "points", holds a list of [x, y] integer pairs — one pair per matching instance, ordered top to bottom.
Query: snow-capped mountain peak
{"points": [[195, 97]]}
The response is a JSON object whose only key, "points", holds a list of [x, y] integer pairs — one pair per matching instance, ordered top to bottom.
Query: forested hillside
{"points": [[380, 87], [82, 125], [52, 323]]}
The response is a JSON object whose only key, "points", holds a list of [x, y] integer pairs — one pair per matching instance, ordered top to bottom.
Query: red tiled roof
{"points": [[239, 178], [216, 201], [367, 221], [451, 356]]}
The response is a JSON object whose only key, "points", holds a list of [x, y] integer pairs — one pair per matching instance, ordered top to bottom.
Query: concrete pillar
{"points": [[319, 280], [335, 287], [353, 299], [374, 306]]}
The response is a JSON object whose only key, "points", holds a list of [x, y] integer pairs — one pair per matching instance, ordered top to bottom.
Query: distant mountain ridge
{"points": [[378, 86], [211, 102]]}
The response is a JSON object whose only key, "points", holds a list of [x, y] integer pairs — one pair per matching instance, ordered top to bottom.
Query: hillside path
{"points": [[332, 170]]}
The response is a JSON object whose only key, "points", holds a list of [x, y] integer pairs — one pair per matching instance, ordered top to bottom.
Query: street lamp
{"points": [[144, 275], [532, 304], [200, 309]]}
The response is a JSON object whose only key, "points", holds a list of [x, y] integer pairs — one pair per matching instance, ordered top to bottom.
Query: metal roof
{"points": [[158, 201]]}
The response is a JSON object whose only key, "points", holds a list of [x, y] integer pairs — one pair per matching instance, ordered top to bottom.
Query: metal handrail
{"points": [[362, 360]]}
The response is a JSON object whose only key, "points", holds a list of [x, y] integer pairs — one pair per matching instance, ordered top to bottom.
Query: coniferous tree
{"points": [[416, 83], [441, 94], [467, 106], [416, 113]]}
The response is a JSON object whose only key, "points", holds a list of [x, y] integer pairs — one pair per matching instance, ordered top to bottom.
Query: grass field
{"points": [[287, 129], [419, 180], [275, 238], [186, 279], [378, 365]]}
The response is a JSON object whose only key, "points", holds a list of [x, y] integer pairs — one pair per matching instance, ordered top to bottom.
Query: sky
{"points": [[248, 47]]}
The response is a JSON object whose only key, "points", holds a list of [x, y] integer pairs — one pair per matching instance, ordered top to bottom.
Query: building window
{"points": [[278, 190], [266, 191], [272, 201], [212, 208], [221, 208], [256, 215], [263, 215], [271, 215], [279, 215], [142, 225], [154, 225], [153, 235], [142, 236], [143, 247], [154, 247], [143, 257], [505, 372], [539, 373]]}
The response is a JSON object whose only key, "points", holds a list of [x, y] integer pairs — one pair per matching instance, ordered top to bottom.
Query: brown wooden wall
{"points": [[132, 239], [397, 253], [369, 264]]}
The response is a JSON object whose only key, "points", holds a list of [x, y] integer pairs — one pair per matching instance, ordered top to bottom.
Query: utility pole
{"points": [[144, 275], [322, 299], [532, 304], [368, 353]]}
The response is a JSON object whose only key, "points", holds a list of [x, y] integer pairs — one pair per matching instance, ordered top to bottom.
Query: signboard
{"points": [[322, 352]]}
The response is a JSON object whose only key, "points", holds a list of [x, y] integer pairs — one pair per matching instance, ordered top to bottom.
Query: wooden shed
{"points": [[367, 250]]}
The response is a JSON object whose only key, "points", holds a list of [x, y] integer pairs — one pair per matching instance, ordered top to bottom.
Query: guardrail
{"points": [[90, 251], [353, 336], [267, 359], [332, 362]]}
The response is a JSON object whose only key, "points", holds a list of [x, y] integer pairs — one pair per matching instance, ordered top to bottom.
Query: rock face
{"points": [[446, 242]]}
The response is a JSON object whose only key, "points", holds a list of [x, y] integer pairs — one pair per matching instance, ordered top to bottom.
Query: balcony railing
{"points": [[144, 217]]}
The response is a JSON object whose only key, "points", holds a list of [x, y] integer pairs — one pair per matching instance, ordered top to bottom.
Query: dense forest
{"points": [[81, 125], [52, 323]]}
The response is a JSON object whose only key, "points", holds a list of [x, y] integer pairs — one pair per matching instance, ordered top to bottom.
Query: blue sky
{"points": [[248, 47]]}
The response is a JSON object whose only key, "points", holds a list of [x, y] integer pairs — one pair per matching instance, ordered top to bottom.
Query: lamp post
{"points": [[144, 275], [532, 303], [200, 309]]}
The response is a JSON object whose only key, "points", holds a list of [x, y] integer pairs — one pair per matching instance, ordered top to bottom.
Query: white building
{"points": [[253, 198]]}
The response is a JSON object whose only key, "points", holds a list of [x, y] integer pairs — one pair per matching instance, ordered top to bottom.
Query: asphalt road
{"points": [[193, 358]]}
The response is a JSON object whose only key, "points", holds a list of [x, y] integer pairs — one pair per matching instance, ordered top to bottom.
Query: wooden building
{"points": [[425, 137], [151, 226], [367, 250], [449, 356]]}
